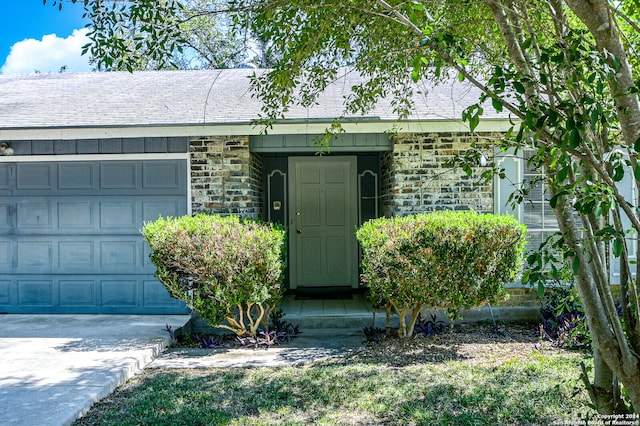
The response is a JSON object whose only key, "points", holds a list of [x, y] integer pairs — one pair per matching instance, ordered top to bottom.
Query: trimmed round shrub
{"points": [[451, 260], [228, 270]]}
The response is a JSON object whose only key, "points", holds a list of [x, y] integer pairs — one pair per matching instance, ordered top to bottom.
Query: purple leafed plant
{"points": [[429, 327], [172, 334], [375, 334], [264, 339], [207, 341]]}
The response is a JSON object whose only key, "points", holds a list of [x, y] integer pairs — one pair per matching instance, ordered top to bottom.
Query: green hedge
{"points": [[453, 260], [228, 270]]}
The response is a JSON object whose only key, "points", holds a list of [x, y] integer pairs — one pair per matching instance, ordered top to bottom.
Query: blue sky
{"points": [[37, 37]]}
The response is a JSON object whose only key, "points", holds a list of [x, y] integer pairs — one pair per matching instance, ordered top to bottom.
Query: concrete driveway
{"points": [[54, 367]]}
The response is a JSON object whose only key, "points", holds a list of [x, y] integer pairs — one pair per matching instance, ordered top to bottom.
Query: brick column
{"points": [[225, 177]]}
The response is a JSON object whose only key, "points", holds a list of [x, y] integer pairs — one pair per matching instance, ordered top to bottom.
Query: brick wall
{"points": [[225, 177], [415, 179], [387, 182], [521, 296]]}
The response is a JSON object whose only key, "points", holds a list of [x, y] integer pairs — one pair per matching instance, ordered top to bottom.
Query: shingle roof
{"points": [[161, 98]]}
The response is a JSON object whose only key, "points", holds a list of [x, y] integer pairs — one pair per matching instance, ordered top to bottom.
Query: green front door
{"points": [[322, 221]]}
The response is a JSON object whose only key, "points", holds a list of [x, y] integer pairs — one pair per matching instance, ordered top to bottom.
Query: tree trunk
{"points": [[596, 15], [612, 356]]}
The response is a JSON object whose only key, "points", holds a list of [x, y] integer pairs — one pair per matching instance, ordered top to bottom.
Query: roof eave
{"points": [[291, 126]]}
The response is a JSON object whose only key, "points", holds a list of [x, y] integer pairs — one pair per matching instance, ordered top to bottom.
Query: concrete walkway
{"points": [[310, 346]]}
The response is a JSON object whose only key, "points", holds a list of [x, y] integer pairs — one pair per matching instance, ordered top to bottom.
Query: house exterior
{"points": [[93, 156]]}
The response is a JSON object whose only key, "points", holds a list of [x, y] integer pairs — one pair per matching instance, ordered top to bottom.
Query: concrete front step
{"points": [[352, 322]]}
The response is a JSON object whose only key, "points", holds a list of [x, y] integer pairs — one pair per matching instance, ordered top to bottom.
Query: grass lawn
{"points": [[471, 376]]}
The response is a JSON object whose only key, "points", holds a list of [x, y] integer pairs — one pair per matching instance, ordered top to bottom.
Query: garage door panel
{"points": [[161, 174], [76, 175], [117, 175], [31, 176], [5, 183], [162, 208], [34, 214], [75, 215], [119, 215], [5, 217], [6, 255], [35, 255], [118, 255], [76, 256], [146, 259], [5, 292], [35, 293], [75, 293], [115, 293], [155, 295]]}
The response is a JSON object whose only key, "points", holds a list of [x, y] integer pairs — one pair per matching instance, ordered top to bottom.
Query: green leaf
{"points": [[616, 63], [415, 75], [543, 78], [519, 87], [497, 105], [595, 115], [474, 120], [574, 138], [618, 172], [636, 172], [562, 174], [553, 202], [617, 247], [575, 265], [554, 271], [540, 289]]}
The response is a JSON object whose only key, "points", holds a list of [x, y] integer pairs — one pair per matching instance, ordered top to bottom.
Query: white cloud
{"points": [[48, 55]]}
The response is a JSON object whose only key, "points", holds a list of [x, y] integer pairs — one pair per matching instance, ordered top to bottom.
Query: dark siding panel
{"points": [[88, 146]]}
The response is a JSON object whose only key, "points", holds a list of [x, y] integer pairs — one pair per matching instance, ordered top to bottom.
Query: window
{"points": [[535, 211]]}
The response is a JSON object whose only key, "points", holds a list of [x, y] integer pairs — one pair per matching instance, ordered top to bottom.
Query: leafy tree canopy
{"points": [[168, 34]]}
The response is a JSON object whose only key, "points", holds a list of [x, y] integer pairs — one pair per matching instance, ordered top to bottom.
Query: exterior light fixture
{"points": [[5, 149]]}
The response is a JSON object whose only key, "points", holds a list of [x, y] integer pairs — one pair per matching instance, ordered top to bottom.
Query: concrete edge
{"points": [[137, 363]]}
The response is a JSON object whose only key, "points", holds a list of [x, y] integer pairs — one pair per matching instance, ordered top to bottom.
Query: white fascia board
{"points": [[284, 128]]}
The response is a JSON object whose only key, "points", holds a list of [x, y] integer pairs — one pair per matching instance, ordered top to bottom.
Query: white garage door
{"points": [[70, 238]]}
